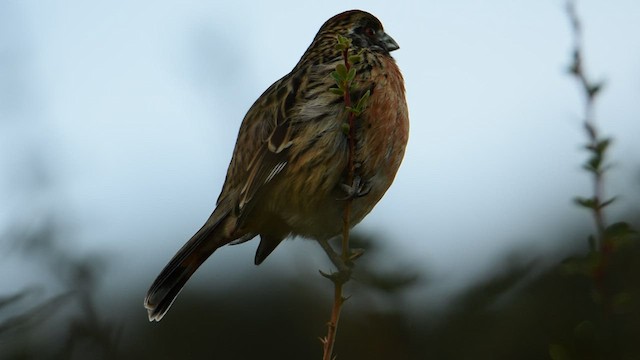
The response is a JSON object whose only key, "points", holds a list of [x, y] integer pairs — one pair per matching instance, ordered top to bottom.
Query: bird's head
{"points": [[364, 30]]}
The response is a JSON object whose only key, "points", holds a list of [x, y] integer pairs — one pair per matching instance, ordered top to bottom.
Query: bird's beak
{"points": [[387, 41]]}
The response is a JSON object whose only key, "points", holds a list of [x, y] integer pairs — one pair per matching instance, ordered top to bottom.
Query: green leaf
{"points": [[343, 43], [354, 59], [341, 69], [574, 69], [351, 74], [336, 77], [594, 89], [336, 91], [362, 103], [591, 130], [602, 145], [595, 162], [591, 169], [608, 202], [587, 203], [619, 229]]}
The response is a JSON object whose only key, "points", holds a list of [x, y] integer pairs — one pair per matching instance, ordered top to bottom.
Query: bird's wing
{"points": [[261, 151], [265, 165]]}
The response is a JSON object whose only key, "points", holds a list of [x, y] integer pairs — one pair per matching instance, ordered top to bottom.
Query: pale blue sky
{"points": [[133, 108]]}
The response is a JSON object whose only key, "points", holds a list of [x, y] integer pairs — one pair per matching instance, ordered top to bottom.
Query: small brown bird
{"points": [[287, 176]]}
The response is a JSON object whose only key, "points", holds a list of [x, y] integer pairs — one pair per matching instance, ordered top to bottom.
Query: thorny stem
{"points": [[342, 262]]}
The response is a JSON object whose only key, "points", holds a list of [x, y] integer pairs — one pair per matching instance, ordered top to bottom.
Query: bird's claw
{"points": [[357, 189]]}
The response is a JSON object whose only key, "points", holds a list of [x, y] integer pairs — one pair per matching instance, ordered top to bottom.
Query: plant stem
{"points": [[590, 91], [346, 252], [343, 261], [332, 326]]}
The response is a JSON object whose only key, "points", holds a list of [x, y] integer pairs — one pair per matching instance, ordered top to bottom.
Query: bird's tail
{"points": [[185, 262]]}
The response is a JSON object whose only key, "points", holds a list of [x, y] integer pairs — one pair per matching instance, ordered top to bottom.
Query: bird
{"points": [[288, 173]]}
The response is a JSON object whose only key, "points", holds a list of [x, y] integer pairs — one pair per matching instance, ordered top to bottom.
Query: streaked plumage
{"points": [[288, 167]]}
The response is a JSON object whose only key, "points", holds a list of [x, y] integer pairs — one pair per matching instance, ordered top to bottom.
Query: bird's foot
{"points": [[357, 189]]}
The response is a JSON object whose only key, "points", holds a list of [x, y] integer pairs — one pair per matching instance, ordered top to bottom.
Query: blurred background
{"points": [[117, 123]]}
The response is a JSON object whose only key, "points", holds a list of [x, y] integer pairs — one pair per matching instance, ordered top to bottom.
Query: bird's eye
{"points": [[369, 31]]}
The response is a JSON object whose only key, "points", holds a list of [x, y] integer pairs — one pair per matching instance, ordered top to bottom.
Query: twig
{"points": [[343, 75], [596, 145], [350, 165], [608, 236]]}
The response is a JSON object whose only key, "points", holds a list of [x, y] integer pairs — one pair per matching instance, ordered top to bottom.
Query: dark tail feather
{"points": [[266, 247], [187, 260]]}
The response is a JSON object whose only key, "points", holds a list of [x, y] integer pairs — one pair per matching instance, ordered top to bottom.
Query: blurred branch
{"points": [[596, 145], [608, 236], [42, 244], [598, 265], [12, 299], [33, 316]]}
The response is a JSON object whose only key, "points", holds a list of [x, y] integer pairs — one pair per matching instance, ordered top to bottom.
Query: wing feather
{"points": [[266, 136]]}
